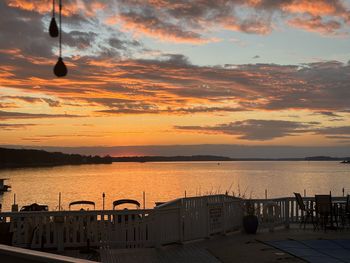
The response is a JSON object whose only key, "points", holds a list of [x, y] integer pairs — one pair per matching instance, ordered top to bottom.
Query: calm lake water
{"points": [[166, 181]]}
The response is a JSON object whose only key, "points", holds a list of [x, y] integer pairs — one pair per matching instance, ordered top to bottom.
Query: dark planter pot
{"points": [[250, 224]]}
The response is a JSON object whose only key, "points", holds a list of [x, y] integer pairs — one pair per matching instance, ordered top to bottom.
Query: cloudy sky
{"points": [[164, 72]]}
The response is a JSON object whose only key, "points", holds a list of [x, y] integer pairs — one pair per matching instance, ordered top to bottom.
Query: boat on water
{"points": [[4, 187], [126, 202], [81, 203], [35, 207], [125, 218]]}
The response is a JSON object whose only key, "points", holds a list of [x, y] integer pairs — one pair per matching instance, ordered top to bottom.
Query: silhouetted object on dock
{"points": [[53, 29], [60, 68], [4, 187], [126, 201], [82, 202], [34, 207], [119, 218], [5, 232]]}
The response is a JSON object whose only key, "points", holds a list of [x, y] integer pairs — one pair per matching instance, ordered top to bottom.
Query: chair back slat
{"points": [[300, 201], [323, 204]]}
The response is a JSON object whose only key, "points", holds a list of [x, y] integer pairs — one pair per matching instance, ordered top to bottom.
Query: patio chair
{"points": [[323, 210], [345, 212], [307, 213]]}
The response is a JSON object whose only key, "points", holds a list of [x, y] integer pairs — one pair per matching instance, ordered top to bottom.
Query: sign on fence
{"points": [[216, 217]]}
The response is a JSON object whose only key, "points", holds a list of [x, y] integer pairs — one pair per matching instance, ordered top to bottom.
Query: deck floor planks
{"points": [[190, 253]]}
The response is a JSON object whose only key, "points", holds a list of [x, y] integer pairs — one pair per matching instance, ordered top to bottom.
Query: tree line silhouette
{"points": [[10, 158], [13, 158]]}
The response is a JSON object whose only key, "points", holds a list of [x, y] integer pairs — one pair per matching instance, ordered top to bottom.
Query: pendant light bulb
{"points": [[53, 29], [60, 68]]}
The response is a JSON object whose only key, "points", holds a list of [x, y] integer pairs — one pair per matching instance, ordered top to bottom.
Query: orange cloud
{"points": [[41, 6], [69, 8], [315, 8], [190, 22], [316, 24], [251, 26], [153, 27], [174, 86]]}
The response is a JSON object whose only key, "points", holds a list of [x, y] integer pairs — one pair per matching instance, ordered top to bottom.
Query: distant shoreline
{"points": [[25, 158], [199, 158]]}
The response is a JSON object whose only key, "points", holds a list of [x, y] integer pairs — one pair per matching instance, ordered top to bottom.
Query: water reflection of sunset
{"points": [[166, 181]]}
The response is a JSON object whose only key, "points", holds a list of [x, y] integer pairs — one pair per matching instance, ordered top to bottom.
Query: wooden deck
{"points": [[233, 247], [236, 247], [251, 248], [191, 253]]}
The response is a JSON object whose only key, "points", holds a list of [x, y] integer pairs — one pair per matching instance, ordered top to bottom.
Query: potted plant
{"points": [[250, 220]]}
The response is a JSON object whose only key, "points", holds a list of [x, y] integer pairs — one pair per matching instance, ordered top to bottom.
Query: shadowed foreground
{"points": [[236, 247]]}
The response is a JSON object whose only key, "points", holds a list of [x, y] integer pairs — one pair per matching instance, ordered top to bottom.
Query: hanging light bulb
{"points": [[53, 29], [60, 68]]}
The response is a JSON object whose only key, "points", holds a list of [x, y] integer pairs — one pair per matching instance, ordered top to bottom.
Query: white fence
{"points": [[286, 210], [180, 220]]}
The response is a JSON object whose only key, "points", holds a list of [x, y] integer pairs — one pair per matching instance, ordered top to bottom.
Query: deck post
{"points": [[286, 212], [207, 217], [181, 222], [59, 228], [157, 228], [223, 232], [60, 246]]}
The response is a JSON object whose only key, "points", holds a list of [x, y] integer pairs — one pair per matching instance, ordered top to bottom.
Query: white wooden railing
{"points": [[287, 209], [180, 220], [131, 228]]}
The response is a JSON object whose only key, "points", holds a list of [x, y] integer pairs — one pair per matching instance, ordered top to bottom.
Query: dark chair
{"points": [[323, 210], [344, 212], [307, 213]]}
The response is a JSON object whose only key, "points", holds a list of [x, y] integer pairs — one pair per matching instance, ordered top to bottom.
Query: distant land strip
{"points": [[21, 158], [199, 158]]}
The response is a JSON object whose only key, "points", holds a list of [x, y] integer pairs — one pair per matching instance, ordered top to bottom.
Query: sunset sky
{"points": [[164, 72]]}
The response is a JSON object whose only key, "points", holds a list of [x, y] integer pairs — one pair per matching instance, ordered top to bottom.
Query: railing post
{"points": [[286, 212], [207, 217], [223, 217], [181, 223], [59, 227], [157, 229]]}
